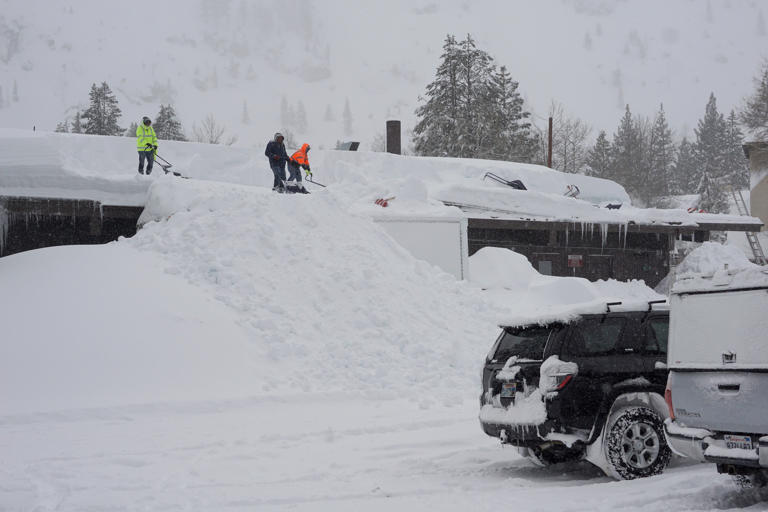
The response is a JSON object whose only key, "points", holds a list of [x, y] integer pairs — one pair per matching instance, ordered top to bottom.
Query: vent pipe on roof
{"points": [[393, 137]]}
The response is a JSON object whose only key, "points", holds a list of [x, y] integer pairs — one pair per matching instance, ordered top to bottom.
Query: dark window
{"points": [[658, 334], [594, 336], [524, 342]]}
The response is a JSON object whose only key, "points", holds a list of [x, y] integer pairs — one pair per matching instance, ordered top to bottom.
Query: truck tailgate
{"points": [[725, 401]]}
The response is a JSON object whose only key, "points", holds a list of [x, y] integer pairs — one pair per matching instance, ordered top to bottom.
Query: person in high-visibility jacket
{"points": [[146, 143], [299, 159]]}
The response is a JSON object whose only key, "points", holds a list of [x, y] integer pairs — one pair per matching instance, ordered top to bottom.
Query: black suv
{"points": [[592, 388]]}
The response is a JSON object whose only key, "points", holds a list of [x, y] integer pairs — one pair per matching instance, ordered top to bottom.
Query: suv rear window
{"points": [[594, 336], [658, 336], [524, 342]]}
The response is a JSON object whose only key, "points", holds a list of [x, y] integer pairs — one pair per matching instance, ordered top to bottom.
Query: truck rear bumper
{"points": [[519, 435], [706, 446]]}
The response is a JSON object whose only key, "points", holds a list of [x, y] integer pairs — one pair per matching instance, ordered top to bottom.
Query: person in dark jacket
{"points": [[277, 156]]}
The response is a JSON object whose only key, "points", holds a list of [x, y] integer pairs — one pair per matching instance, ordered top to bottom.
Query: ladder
{"points": [[754, 243]]}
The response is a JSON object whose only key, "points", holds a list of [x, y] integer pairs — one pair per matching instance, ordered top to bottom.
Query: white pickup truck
{"points": [[717, 389]]}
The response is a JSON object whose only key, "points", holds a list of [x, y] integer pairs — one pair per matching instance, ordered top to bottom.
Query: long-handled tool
{"points": [[166, 165], [311, 180]]}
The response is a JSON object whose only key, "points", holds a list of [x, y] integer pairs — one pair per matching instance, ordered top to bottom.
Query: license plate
{"points": [[508, 389], [743, 442]]}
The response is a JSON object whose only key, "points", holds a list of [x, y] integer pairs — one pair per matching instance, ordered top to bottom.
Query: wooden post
{"points": [[549, 144]]}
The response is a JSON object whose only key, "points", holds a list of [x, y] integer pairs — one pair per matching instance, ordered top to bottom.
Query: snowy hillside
{"points": [[238, 59]]}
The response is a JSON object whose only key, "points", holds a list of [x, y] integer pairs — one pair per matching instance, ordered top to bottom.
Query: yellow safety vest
{"points": [[145, 135]]}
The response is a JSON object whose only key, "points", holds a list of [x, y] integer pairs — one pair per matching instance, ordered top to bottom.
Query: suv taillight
{"points": [[561, 380], [668, 399]]}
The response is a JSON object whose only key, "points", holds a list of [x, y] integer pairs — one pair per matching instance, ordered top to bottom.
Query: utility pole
{"points": [[549, 144]]}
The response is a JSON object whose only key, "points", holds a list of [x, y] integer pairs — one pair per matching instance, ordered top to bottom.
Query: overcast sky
{"points": [[237, 59]]}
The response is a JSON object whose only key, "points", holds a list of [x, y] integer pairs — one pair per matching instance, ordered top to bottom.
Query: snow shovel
{"points": [[166, 165], [311, 180]]}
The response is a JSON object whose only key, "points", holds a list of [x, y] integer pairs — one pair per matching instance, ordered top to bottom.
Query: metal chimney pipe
{"points": [[393, 137]]}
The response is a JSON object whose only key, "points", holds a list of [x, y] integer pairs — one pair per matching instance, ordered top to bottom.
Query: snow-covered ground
{"points": [[254, 351], [307, 451]]}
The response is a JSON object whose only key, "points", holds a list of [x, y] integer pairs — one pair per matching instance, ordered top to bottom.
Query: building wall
{"points": [[758, 169], [28, 223], [591, 254]]}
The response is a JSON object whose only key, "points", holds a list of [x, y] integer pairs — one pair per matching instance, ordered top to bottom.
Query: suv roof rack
{"points": [[609, 304], [650, 308]]}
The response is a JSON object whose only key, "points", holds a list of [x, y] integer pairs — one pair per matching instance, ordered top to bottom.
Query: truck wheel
{"points": [[635, 446], [536, 456], [545, 457], [758, 479]]}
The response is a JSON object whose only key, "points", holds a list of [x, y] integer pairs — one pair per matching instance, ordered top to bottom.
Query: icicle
{"points": [[3, 228], [604, 229], [626, 231], [566, 234]]}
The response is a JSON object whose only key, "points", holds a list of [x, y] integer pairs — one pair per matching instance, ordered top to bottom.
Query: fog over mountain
{"points": [[237, 59]]}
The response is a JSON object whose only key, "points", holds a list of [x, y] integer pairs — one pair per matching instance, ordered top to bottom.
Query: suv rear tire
{"points": [[635, 446]]}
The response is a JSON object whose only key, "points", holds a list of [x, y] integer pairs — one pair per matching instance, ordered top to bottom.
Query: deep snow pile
{"points": [[510, 280], [285, 294], [334, 302], [95, 326]]}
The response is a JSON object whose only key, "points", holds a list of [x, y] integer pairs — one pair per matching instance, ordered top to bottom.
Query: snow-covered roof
{"points": [[40, 164], [530, 205]]}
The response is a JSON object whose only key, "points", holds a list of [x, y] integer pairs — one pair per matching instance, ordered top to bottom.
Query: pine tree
{"points": [[474, 73], [15, 94], [472, 109], [755, 112], [102, 114], [347, 118], [246, 119], [167, 125], [77, 126], [62, 127], [131, 131], [436, 133], [509, 133], [710, 147], [710, 153], [599, 157], [661, 159], [626, 163], [736, 168], [684, 170], [712, 198]]}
